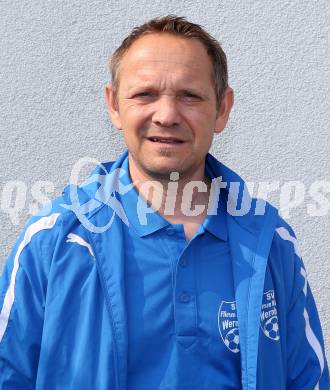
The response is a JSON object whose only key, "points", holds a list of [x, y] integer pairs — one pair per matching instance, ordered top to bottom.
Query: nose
{"points": [[166, 112]]}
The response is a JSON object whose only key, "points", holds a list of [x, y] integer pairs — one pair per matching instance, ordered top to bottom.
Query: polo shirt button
{"points": [[170, 232], [184, 262], [184, 298]]}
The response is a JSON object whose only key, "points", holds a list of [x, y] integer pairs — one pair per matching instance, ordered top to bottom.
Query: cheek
{"points": [[202, 113], [134, 118], [202, 125]]}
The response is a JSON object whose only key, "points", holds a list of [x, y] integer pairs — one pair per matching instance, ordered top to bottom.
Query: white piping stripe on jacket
{"points": [[41, 224], [285, 235], [79, 240], [304, 275], [310, 335], [312, 339]]}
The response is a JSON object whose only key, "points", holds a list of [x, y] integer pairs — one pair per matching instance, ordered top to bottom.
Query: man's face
{"points": [[166, 105]]}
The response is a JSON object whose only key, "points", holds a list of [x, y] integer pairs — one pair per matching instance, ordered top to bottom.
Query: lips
{"points": [[165, 140]]}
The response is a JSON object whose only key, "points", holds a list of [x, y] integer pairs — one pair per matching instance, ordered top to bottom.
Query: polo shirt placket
{"points": [[184, 286]]}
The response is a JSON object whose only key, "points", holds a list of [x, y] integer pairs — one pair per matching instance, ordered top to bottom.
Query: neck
{"points": [[178, 198]]}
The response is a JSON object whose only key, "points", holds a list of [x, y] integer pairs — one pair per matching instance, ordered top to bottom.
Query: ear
{"points": [[112, 105], [224, 110]]}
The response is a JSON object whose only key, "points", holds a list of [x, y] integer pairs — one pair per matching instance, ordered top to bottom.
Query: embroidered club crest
{"points": [[268, 316], [228, 325]]}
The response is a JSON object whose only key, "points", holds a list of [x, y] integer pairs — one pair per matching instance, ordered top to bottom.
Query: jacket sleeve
{"points": [[23, 288], [306, 362]]}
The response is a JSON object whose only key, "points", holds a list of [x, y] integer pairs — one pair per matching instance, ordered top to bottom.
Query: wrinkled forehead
{"points": [[165, 45], [168, 53]]}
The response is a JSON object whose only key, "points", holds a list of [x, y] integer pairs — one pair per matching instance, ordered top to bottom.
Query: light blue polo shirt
{"points": [[182, 324]]}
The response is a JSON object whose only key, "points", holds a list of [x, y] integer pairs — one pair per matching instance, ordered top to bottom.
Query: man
{"points": [[155, 274]]}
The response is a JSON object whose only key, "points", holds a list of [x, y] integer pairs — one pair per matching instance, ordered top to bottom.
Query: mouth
{"points": [[166, 140]]}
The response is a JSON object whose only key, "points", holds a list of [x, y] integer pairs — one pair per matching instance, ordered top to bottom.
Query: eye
{"points": [[144, 94], [192, 97]]}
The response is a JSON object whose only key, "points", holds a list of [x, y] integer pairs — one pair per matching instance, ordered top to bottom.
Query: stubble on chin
{"points": [[162, 172]]}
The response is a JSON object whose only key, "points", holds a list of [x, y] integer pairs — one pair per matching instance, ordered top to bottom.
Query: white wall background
{"points": [[53, 68]]}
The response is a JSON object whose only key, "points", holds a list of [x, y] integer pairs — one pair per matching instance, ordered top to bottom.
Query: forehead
{"points": [[168, 53]]}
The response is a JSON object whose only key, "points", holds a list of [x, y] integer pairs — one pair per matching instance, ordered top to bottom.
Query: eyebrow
{"points": [[150, 87], [191, 91]]}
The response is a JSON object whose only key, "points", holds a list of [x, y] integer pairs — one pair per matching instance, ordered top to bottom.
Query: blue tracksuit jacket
{"points": [[62, 296]]}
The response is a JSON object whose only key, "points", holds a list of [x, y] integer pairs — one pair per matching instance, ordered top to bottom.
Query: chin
{"points": [[160, 167], [162, 171]]}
